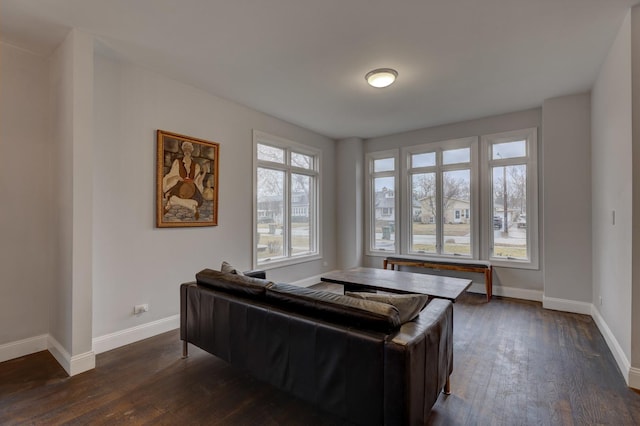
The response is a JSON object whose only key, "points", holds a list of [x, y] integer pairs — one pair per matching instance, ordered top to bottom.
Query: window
{"points": [[511, 160], [440, 178], [381, 196], [426, 200], [286, 207]]}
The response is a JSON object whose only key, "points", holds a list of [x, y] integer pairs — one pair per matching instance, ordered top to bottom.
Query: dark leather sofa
{"points": [[348, 356]]}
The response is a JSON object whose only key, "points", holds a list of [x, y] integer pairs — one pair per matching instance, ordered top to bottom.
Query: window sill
{"points": [[279, 263], [499, 263], [514, 264]]}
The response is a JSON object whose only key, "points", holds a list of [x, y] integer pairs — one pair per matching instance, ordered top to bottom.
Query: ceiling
{"points": [[305, 61]]}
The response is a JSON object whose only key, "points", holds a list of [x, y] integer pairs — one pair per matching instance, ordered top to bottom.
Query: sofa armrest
{"points": [[256, 273], [184, 294], [418, 362]]}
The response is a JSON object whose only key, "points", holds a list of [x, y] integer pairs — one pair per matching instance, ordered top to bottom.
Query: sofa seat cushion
{"points": [[232, 283], [408, 305], [337, 308]]}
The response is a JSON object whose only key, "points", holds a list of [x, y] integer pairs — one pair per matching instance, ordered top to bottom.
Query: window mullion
{"points": [[439, 203], [286, 214]]}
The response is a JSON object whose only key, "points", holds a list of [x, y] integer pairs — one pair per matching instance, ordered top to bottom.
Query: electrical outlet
{"points": [[139, 309]]}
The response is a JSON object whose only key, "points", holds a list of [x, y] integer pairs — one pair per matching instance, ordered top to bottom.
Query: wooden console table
{"points": [[484, 268], [363, 279]]}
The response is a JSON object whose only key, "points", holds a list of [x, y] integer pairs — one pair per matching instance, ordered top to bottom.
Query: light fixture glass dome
{"points": [[382, 77]]}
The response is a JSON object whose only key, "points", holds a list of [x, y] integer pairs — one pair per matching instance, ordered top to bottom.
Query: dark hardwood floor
{"points": [[514, 364]]}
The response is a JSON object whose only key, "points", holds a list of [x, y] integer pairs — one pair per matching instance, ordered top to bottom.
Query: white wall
{"points": [[71, 106], [62, 162], [566, 165], [611, 181], [349, 201], [26, 224], [635, 261], [133, 262], [528, 280]]}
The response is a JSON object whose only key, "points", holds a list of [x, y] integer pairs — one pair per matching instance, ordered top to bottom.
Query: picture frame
{"points": [[187, 170]]}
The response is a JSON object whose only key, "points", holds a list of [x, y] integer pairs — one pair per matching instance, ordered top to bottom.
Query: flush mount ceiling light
{"points": [[382, 77]]}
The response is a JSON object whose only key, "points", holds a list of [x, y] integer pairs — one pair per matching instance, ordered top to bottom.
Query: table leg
{"points": [[488, 282], [447, 387]]}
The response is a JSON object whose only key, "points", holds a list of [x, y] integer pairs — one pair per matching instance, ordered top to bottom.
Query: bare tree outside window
{"points": [[270, 153], [301, 160], [512, 166], [441, 202], [509, 206], [270, 213], [385, 213], [286, 216], [301, 218], [423, 226]]}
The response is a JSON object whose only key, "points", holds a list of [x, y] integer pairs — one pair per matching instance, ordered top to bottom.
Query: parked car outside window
{"points": [[522, 221], [497, 222]]}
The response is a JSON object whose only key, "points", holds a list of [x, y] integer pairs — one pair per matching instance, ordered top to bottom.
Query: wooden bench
{"points": [[448, 265]]}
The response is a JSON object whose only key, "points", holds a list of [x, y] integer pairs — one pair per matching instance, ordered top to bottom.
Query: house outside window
{"points": [[440, 177], [382, 181], [286, 208]]}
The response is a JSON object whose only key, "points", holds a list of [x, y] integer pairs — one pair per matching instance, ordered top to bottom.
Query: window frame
{"points": [[530, 135], [262, 138], [439, 169], [481, 202], [370, 210]]}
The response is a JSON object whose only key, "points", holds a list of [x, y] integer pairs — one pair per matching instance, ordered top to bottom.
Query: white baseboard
{"points": [[306, 282], [516, 293], [567, 305], [130, 335], [23, 347], [59, 353], [618, 354], [86, 361], [83, 362], [72, 364], [634, 378]]}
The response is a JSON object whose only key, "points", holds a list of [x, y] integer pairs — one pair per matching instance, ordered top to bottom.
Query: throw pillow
{"points": [[227, 268], [233, 283], [409, 305]]}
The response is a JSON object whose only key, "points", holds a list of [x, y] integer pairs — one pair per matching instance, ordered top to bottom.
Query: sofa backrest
{"points": [[241, 285], [323, 305], [337, 308]]}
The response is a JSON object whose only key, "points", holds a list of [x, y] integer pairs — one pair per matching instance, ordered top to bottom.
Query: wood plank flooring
{"points": [[514, 364]]}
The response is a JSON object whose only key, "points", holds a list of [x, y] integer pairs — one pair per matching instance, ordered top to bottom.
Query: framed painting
{"points": [[186, 181]]}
